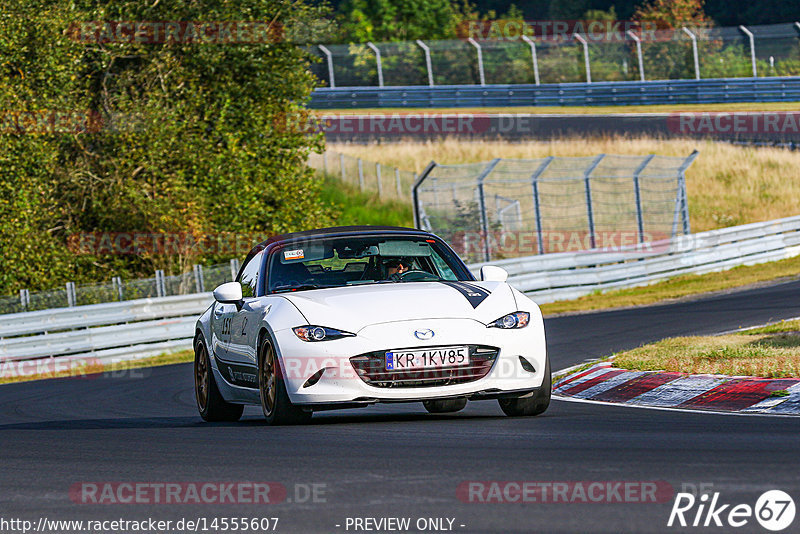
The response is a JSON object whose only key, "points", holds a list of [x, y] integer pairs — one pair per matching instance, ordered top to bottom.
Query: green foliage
{"points": [[599, 14], [671, 14], [398, 20], [402, 22], [673, 59], [733, 61], [561, 64], [185, 141], [352, 207]]}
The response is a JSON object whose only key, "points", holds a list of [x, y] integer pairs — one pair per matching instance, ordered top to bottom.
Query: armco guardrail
{"points": [[623, 93], [561, 276], [162, 285], [130, 311], [133, 329], [117, 330]]}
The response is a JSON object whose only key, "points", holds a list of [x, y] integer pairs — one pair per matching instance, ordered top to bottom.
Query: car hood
{"points": [[352, 308]]}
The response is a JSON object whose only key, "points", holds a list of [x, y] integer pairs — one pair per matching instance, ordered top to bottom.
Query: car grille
{"points": [[371, 367]]}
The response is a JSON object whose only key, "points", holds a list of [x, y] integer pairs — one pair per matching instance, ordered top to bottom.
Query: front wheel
{"points": [[210, 404], [534, 405], [278, 409]]}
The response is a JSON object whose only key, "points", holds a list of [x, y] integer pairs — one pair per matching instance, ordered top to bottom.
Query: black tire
{"points": [[210, 404], [445, 405], [534, 405], [278, 409]]}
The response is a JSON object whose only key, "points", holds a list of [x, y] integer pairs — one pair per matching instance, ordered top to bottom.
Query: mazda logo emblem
{"points": [[424, 334]]}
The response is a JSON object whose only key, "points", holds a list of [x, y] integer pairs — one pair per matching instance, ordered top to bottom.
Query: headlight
{"points": [[512, 320], [319, 333]]}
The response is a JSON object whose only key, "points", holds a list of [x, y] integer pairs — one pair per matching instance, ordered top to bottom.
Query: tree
{"points": [[672, 14], [398, 20], [671, 56], [182, 136]]}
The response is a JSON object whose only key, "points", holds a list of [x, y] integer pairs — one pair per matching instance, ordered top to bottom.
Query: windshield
{"points": [[354, 260]]}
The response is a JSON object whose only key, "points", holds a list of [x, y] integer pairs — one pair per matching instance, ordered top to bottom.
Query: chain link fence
{"points": [[684, 53], [368, 176], [510, 208], [200, 279]]}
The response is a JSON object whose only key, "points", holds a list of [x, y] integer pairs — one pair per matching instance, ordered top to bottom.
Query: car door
{"points": [[221, 320], [245, 320]]}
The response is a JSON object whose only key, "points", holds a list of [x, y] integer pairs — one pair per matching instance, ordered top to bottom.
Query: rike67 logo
{"points": [[774, 510]]}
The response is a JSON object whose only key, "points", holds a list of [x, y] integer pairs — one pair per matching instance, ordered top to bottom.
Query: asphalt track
{"points": [[396, 460]]}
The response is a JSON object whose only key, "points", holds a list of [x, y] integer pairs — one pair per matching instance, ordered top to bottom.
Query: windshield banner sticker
{"points": [[294, 254]]}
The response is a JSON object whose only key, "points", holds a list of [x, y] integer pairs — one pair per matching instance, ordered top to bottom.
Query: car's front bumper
{"points": [[339, 383]]}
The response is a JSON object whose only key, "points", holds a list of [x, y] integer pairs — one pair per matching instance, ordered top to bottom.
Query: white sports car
{"points": [[351, 316]]}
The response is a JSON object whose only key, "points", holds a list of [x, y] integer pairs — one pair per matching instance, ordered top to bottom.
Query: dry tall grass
{"points": [[727, 185], [766, 355]]}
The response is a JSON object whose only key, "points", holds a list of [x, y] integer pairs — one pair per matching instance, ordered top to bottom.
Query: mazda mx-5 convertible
{"points": [[352, 316]]}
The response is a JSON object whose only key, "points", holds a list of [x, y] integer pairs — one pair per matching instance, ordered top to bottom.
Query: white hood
{"points": [[352, 308]]}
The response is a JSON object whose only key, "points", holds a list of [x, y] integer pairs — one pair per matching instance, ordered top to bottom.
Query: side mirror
{"points": [[490, 273], [229, 293]]}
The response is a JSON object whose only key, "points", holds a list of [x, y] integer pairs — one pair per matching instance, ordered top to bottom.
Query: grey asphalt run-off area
{"points": [[396, 460]]}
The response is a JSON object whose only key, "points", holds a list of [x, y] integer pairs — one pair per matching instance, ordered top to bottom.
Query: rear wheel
{"points": [[210, 404], [445, 405], [533, 405], [278, 409]]}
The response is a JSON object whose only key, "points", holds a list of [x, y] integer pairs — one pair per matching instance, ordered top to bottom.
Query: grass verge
{"points": [[576, 110], [352, 207], [680, 287], [792, 325], [767, 355], [88, 368]]}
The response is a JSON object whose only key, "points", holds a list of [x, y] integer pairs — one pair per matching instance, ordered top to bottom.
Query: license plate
{"points": [[403, 360]]}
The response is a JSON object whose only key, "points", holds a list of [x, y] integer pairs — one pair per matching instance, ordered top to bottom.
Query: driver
{"points": [[395, 267]]}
